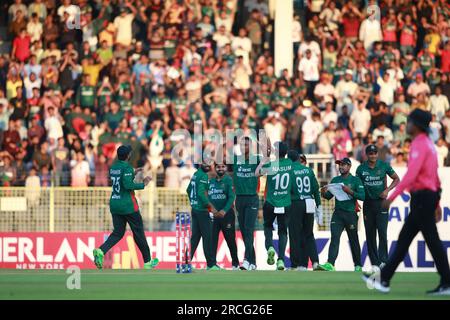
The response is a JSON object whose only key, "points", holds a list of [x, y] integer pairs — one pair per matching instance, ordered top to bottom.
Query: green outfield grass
{"points": [[166, 284]]}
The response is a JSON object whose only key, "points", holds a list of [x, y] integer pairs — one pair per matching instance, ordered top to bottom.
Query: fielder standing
{"points": [[373, 174], [422, 181], [197, 191], [222, 196], [277, 200], [247, 201], [305, 203], [344, 215]]}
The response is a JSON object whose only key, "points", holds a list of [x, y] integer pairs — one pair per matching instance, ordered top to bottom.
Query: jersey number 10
{"points": [[281, 181]]}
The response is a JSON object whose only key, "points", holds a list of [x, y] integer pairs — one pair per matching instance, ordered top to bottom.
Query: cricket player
{"points": [[373, 174], [422, 181], [222, 196], [277, 200], [247, 201], [125, 209], [344, 215], [301, 216], [202, 223]]}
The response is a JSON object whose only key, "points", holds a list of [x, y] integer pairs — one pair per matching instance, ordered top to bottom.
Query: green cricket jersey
{"points": [[86, 96], [161, 102], [374, 179], [245, 181], [279, 182], [306, 185], [356, 185], [198, 191], [221, 193], [122, 199]]}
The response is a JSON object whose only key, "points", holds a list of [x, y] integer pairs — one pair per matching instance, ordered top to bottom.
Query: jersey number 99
{"points": [[303, 184]]}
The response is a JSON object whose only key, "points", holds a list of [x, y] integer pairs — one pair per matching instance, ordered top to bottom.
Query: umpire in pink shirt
{"points": [[422, 181]]}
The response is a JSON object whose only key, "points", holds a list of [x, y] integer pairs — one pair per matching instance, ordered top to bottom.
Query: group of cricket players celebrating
{"points": [[218, 192]]}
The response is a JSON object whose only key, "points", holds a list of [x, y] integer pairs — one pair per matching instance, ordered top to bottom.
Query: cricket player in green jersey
{"points": [[373, 174], [222, 196], [277, 200], [247, 201], [305, 203], [125, 209], [344, 215], [202, 222]]}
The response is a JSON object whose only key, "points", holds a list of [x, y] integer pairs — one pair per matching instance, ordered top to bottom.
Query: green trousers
{"points": [[247, 210], [376, 220], [349, 221], [227, 226], [202, 229], [301, 236]]}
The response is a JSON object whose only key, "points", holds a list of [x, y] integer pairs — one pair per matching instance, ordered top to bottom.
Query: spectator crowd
{"points": [[81, 77]]}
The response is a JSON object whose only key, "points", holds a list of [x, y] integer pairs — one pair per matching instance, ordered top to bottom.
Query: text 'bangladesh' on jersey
{"points": [[374, 179], [245, 181], [279, 182], [305, 183], [353, 183], [197, 191], [221, 194], [123, 200]]}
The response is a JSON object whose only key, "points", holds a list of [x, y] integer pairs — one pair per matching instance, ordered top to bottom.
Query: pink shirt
{"points": [[422, 168]]}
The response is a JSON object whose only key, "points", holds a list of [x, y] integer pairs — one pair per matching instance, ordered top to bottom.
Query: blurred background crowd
{"points": [[79, 77]]}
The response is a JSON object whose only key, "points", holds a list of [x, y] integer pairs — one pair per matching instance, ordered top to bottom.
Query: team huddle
{"points": [[293, 200]]}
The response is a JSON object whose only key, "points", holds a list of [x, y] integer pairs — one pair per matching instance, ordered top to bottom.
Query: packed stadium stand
{"points": [[78, 78]]}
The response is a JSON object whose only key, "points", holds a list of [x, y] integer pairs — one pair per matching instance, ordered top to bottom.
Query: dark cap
{"points": [[420, 119], [282, 148], [371, 148], [123, 152], [293, 155], [344, 161]]}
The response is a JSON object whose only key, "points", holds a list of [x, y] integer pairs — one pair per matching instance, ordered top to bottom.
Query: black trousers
{"points": [[247, 212], [269, 218], [421, 218], [349, 221], [376, 221], [227, 226], [137, 227], [202, 229], [301, 236]]}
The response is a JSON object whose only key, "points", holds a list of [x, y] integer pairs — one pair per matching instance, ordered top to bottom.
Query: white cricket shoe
{"points": [[245, 265], [252, 267], [301, 269], [376, 269], [374, 282], [440, 291]]}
